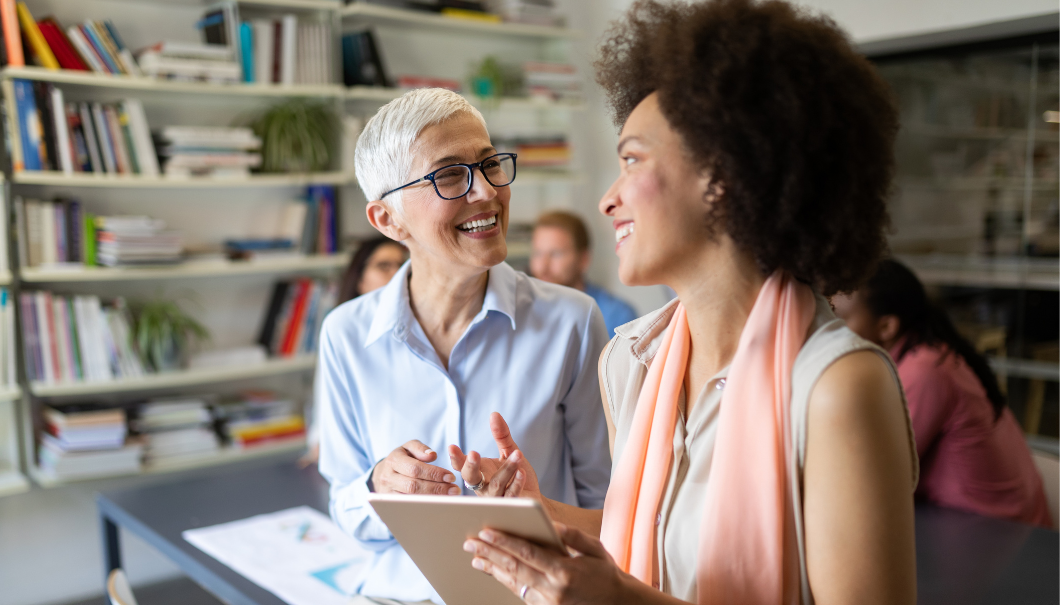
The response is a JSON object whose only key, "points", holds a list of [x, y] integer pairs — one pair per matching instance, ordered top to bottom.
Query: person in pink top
{"points": [[972, 452]]}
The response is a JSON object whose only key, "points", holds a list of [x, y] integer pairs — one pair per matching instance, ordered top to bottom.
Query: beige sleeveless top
{"points": [[625, 363]]}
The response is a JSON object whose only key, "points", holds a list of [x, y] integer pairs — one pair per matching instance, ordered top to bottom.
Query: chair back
{"points": [[1049, 468], [118, 589]]}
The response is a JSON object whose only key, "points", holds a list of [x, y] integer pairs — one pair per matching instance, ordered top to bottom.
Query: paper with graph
{"points": [[298, 554]]}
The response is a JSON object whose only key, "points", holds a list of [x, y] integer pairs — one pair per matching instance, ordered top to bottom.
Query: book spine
{"points": [[90, 34], [12, 37], [36, 39], [54, 41], [246, 41], [290, 45], [112, 49], [263, 51], [277, 51], [88, 53], [73, 54], [42, 94], [28, 124], [14, 131], [62, 132], [126, 132], [141, 135], [91, 140], [78, 144], [106, 146], [121, 154], [59, 208], [74, 229], [20, 231], [33, 234], [88, 236], [48, 245], [41, 314], [297, 315], [9, 326], [30, 339], [74, 344], [62, 352]]}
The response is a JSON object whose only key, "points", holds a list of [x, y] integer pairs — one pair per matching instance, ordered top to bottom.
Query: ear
{"points": [[385, 221], [889, 327]]}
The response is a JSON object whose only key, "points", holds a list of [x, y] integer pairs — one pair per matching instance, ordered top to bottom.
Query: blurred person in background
{"points": [[560, 255], [370, 268], [972, 452]]}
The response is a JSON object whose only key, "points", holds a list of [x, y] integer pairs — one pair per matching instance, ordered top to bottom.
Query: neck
{"points": [[579, 285], [718, 291], [445, 301]]}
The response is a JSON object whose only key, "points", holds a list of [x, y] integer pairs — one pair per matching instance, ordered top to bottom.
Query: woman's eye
{"points": [[628, 160]]}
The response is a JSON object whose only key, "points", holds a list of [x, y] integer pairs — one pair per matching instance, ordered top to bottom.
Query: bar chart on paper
{"points": [[298, 554]]}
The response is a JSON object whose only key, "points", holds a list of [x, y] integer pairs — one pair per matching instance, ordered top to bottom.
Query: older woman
{"points": [[418, 365], [762, 450]]}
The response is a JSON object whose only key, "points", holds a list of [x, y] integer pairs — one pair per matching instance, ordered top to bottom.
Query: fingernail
{"points": [[428, 451], [516, 456], [519, 475], [448, 478], [454, 491], [486, 535], [469, 546], [478, 564]]}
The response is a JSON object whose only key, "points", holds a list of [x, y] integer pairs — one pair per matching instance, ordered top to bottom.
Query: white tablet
{"points": [[432, 530]]}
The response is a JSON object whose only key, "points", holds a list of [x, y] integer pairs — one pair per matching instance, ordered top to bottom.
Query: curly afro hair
{"points": [[796, 126]]}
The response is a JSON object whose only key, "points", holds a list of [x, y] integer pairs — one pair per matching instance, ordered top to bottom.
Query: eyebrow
{"points": [[623, 142], [455, 159]]}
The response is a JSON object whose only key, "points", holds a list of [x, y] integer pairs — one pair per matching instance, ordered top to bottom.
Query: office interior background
{"points": [[975, 213]]}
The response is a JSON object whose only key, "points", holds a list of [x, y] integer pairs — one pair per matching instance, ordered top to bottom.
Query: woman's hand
{"points": [[406, 471], [509, 476], [543, 576]]}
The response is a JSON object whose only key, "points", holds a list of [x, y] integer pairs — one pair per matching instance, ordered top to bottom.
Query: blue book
{"points": [[246, 43], [101, 50], [29, 125]]}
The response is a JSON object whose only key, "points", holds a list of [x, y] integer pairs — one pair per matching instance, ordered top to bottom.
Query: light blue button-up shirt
{"points": [[530, 354]]}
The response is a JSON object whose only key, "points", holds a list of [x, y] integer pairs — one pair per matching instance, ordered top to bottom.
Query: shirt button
{"points": [[720, 384], [658, 518]]}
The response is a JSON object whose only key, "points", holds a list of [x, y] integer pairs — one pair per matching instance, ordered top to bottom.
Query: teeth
{"points": [[479, 225], [623, 232]]}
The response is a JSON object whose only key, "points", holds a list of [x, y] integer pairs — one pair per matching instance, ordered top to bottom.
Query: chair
{"points": [[1049, 468], [118, 589]]}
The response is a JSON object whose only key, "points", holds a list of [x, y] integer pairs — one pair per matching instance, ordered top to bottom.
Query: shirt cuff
{"points": [[369, 529]]}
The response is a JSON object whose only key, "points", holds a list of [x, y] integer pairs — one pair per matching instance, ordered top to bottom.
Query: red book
{"points": [[68, 47], [64, 53], [291, 330]]}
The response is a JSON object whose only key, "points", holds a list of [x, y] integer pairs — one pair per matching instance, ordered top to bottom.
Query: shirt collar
{"points": [[394, 311], [646, 332]]}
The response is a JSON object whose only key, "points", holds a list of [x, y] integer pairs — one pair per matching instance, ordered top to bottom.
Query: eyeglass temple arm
{"points": [[403, 186]]}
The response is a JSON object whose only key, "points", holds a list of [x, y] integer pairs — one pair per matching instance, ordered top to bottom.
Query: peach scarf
{"points": [[747, 548]]}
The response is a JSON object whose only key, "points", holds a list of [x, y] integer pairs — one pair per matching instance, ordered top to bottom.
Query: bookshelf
{"points": [[211, 200]]}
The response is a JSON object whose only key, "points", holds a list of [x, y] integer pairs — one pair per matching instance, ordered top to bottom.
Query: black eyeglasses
{"points": [[454, 181]]}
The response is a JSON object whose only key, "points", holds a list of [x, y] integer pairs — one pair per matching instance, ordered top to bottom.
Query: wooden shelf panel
{"points": [[396, 16], [143, 83], [382, 95], [84, 179], [190, 269], [171, 380], [225, 455]]}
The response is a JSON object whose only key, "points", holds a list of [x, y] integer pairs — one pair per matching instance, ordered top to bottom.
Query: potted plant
{"points": [[296, 136], [165, 334]]}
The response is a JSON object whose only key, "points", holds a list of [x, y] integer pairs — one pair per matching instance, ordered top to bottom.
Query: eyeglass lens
{"points": [[455, 181]]}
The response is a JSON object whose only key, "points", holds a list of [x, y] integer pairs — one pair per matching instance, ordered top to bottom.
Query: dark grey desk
{"points": [[962, 558]]}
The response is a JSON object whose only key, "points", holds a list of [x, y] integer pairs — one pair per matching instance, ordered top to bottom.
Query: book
{"points": [[89, 32], [12, 38], [37, 43], [288, 45], [87, 51], [246, 51], [263, 51], [65, 53], [362, 62], [42, 95], [29, 125], [16, 130], [62, 133], [126, 133], [141, 137], [91, 138], [117, 140], [78, 143], [106, 145], [272, 312]]}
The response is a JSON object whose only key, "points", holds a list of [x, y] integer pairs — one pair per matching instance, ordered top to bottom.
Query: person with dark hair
{"points": [[559, 254], [371, 267], [762, 450], [972, 452]]}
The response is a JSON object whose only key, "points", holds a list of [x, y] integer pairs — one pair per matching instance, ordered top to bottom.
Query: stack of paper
{"points": [[189, 61], [208, 151], [126, 240], [261, 417], [176, 428], [87, 443]]}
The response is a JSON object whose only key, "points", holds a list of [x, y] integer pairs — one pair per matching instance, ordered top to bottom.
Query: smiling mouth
{"points": [[478, 226], [623, 232]]}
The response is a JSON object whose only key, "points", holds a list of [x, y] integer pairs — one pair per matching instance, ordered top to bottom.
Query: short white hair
{"points": [[383, 158]]}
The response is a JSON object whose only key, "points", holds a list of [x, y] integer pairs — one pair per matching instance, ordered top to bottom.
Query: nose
{"points": [[481, 190], [610, 201]]}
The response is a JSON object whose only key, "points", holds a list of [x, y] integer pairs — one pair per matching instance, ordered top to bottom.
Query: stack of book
{"points": [[532, 12], [92, 46], [284, 51], [190, 62], [552, 81], [81, 137], [208, 151], [538, 152], [54, 233], [320, 233], [136, 240], [260, 249], [296, 310], [77, 338], [259, 418], [175, 428], [82, 442]]}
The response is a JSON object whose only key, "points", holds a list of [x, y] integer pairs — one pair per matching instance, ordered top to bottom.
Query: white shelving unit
{"points": [[371, 13], [383, 95], [81, 179], [186, 270], [954, 270], [175, 380], [12, 481]]}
